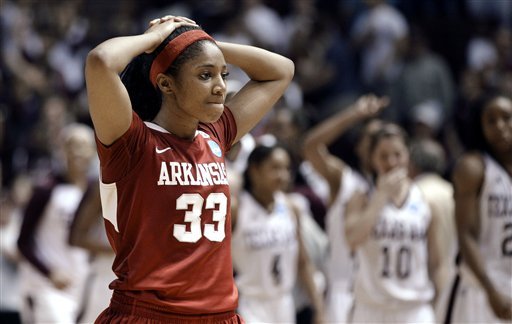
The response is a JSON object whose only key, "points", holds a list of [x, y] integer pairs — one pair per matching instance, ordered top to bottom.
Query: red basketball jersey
{"points": [[166, 205]]}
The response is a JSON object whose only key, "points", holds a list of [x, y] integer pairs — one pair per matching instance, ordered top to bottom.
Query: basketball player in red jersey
{"points": [[163, 129]]}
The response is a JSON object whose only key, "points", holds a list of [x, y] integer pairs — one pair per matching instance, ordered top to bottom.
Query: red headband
{"points": [[173, 49]]}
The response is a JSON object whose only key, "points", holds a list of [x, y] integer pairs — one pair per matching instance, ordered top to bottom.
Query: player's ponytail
{"points": [[145, 99]]}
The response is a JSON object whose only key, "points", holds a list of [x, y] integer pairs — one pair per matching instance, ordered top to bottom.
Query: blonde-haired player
{"points": [[343, 181], [392, 230]]}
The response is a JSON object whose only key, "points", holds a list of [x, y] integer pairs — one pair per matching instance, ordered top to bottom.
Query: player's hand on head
{"points": [[171, 17], [165, 25]]}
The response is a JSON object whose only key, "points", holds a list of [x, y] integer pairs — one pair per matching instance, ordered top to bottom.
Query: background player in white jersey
{"points": [[343, 182], [483, 209], [391, 229], [88, 232], [268, 251], [53, 276]]}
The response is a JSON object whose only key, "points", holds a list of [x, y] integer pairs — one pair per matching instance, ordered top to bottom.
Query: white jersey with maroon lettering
{"points": [[495, 247], [265, 258], [340, 262], [393, 262]]}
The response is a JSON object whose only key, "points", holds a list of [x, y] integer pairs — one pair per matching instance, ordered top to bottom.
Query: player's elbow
{"points": [[98, 59]]}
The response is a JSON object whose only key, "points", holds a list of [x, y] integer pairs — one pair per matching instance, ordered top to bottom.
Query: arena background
{"points": [[444, 54]]}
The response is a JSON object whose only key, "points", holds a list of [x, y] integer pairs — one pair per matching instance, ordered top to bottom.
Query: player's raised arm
{"points": [[270, 75], [109, 102], [324, 134]]}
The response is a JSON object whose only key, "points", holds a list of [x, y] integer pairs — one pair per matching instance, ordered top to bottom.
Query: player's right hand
{"points": [[165, 25], [370, 105], [391, 183]]}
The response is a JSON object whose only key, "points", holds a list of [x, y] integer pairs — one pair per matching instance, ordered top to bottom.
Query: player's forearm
{"points": [[115, 53], [257, 63], [328, 131], [359, 223], [471, 256], [307, 274]]}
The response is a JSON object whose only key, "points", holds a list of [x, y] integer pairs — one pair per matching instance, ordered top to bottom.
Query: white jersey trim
{"points": [[163, 130], [108, 194]]}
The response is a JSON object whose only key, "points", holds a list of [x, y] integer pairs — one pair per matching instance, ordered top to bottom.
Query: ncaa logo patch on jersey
{"points": [[215, 148], [414, 207], [281, 209]]}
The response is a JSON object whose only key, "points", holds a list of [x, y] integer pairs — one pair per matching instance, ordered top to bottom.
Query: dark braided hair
{"points": [[146, 100]]}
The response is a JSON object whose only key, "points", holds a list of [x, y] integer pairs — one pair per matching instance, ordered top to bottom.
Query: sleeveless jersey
{"points": [[166, 205], [495, 241], [265, 248], [393, 262], [339, 263]]}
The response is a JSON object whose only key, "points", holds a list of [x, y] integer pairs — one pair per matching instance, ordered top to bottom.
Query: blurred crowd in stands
{"points": [[431, 58]]}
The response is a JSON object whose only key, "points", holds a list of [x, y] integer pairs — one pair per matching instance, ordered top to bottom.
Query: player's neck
{"points": [[176, 122], [504, 159], [401, 195], [264, 198]]}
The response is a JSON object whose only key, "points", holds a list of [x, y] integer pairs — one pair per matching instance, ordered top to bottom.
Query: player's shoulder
{"points": [[470, 163], [469, 171]]}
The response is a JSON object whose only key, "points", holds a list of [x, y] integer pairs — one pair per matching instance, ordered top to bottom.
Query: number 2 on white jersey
{"points": [[193, 216]]}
